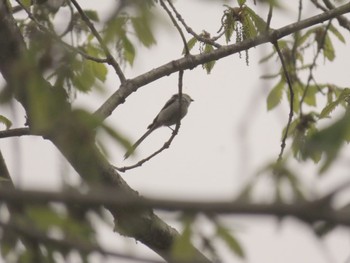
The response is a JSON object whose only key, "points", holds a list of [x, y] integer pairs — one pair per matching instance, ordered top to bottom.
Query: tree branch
{"points": [[110, 58], [190, 62], [68, 131], [14, 132], [308, 211], [67, 244]]}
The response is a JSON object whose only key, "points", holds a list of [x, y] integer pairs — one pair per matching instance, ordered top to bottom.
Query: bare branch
{"points": [[190, 30], [187, 51], [291, 100], [15, 132], [167, 143], [308, 211]]}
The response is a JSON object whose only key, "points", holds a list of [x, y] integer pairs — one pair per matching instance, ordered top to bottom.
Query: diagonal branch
{"points": [[191, 62]]}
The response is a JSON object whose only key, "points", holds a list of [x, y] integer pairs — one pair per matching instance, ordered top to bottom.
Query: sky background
{"points": [[227, 136]]}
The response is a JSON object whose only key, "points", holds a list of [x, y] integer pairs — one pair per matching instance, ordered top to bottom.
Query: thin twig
{"points": [[269, 17], [190, 30], [297, 35], [187, 51], [110, 58], [313, 65], [291, 102], [15, 132], [167, 144]]}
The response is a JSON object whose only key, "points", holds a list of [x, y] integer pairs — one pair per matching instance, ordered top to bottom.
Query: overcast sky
{"points": [[226, 137]]}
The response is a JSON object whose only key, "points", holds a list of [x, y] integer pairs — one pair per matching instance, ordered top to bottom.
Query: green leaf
{"points": [[241, 2], [26, 3], [92, 14], [259, 23], [249, 29], [143, 30], [337, 33], [190, 44], [328, 49], [129, 50], [209, 65], [100, 71], [84, 79], [275, 95], [343, 96], [310, 97], [328, 109], [5, 121], [117, 136], [328, 141], [230, 240], [182, 249]]}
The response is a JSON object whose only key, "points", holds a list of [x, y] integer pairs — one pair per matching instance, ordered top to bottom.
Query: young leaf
{"points": [[241, 2], [92, 14], [143, 30], [337, 33], [190, 44], [328, 49], [129, 50], [208, 66], [100, 71], [275, 95], [328, 109], [5, 121], [230, 240], [182, 248]]}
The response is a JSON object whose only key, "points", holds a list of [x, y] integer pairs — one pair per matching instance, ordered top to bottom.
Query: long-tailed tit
{"points": [[168, 115]]}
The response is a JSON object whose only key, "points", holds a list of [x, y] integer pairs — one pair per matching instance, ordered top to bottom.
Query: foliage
{"points": [[79, 56]]}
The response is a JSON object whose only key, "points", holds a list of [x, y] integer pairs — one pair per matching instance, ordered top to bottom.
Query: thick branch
{"points": [[190, 62], [68, 131], [317, 210]]}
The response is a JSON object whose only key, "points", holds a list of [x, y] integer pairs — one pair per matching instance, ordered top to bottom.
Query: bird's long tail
{"points": [[137, 143]]}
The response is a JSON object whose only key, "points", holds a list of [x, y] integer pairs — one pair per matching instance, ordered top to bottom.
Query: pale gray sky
{"points": [[205, 161]]}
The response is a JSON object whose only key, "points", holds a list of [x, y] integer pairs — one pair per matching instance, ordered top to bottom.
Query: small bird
{"points": [[168, 115]]}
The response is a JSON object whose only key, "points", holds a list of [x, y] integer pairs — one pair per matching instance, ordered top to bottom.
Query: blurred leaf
{"points": [[241, 2], [26, 3], [92, 14], [143, 30], [337, 33], [328, 49], [129, 50], [209, 65], [100, 71], [275, 95], [344, 95], [310, 98], [328, 109], [5, 121], [117, 136], [328, 141], [44, 217], [230, 240], [182, 248]]}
